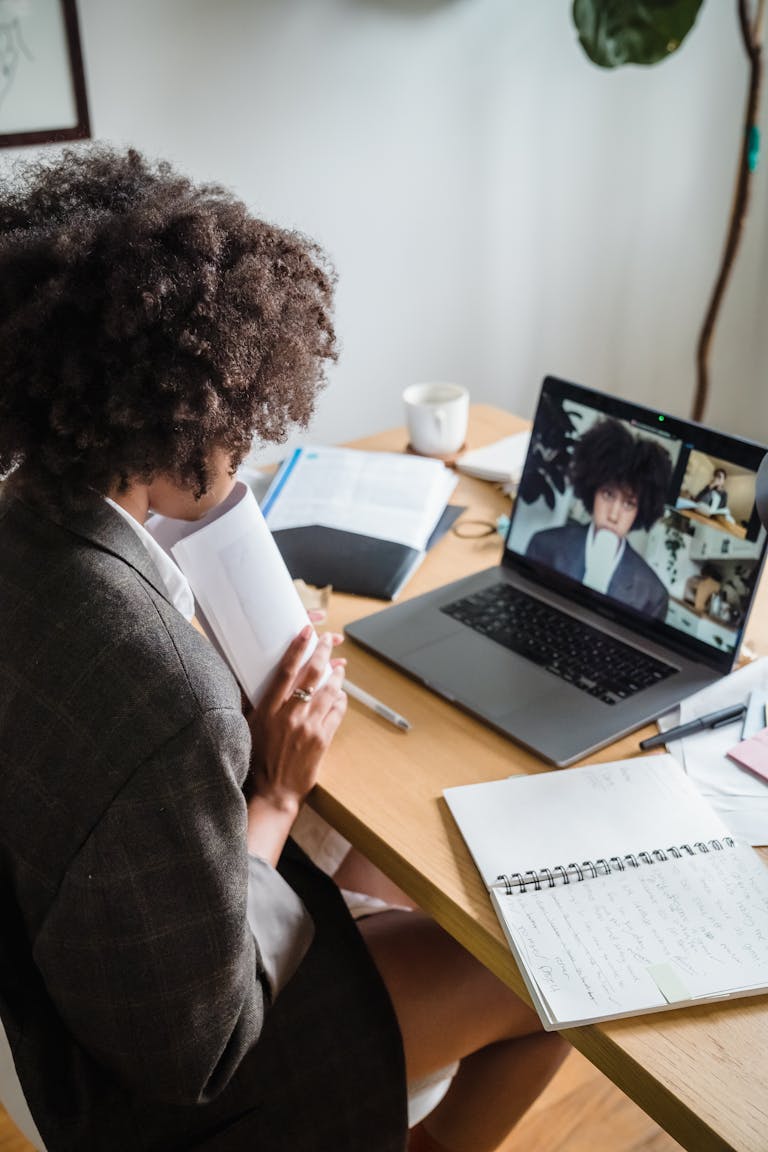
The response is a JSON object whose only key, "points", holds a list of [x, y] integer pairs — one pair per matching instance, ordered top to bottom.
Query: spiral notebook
{"points": [[619, 889]]}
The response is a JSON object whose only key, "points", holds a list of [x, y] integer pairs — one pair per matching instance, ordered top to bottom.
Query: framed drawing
{"points": [[42, 85]]}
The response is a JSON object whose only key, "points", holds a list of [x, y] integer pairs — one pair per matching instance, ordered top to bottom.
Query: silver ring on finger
{"points": [[303, 694]]}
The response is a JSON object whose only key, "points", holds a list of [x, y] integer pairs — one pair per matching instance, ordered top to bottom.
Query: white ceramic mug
{"points": [[436, 416]]}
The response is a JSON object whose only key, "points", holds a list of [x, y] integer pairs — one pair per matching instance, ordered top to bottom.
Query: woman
{"points": [[174, 972]]}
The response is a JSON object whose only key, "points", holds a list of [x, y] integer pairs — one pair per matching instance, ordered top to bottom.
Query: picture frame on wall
{"points": [[42, 82]]}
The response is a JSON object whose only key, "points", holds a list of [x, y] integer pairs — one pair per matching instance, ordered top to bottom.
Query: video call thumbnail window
{"points": [[638, 516]]}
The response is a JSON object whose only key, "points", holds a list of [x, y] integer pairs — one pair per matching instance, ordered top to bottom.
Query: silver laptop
{"points": [[628, 573]]}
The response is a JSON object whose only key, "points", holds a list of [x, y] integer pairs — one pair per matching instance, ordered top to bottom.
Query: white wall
{"points": [[496, 206]]}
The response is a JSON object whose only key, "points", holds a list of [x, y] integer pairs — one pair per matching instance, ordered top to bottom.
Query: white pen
{"points": [[376, 706]]}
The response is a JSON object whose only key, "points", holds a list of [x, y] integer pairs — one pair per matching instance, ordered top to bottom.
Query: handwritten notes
{"points": [[619, 889], [687, 928]]}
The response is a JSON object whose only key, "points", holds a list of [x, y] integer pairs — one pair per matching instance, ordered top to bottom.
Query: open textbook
{"points": [[361, 521], [246, 600], [619, 889]]}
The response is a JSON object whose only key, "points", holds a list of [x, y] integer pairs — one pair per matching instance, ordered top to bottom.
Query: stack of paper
{"points": [[501, 461], [361, 521], [740, 796]]}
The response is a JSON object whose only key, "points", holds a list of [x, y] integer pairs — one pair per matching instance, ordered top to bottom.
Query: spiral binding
{"points": [[536, 879]]}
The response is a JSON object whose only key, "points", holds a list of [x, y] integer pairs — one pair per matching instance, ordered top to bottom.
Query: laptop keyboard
{"points": [[584, 656]]}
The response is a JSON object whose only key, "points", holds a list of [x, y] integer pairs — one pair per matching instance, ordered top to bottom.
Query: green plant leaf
{"points": [[616, 32]]}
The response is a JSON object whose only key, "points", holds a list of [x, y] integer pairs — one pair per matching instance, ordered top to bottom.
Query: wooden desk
{"points": [[720, 523], [701, 1073]]}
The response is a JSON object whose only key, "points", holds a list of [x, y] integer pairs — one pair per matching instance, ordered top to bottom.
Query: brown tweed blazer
{"points": [[131, 987]]}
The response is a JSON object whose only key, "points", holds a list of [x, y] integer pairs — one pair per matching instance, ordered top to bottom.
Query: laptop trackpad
{"points": [[480, 674]]}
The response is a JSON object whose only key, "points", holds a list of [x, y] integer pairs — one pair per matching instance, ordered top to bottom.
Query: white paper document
{"points": [[501, 461], [387, 495], [239, 579], [738, 795]]}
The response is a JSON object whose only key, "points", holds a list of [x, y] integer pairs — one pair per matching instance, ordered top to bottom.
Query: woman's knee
{"points": [[447, 1003]]}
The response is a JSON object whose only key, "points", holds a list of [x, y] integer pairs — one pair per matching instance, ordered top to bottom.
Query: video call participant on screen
{"points": [[622, 482], [714, 494]]}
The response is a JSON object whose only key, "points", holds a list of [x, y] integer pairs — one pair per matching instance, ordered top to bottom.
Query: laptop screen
{"points": [[641, 514]]}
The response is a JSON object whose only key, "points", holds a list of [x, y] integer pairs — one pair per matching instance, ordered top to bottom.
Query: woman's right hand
{"points": [[291, 734]]}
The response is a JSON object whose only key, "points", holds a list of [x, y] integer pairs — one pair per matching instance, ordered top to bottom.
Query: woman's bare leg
{"points": [[358, 874], [452, 1008]]}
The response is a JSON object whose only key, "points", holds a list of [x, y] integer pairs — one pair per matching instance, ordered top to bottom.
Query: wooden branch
{"points": [[751, 35]]}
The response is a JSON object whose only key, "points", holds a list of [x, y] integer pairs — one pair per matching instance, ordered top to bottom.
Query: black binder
{"points": [[351, 562]]}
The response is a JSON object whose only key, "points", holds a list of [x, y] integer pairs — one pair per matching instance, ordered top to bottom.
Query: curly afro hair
{"points": [[144, 320], [608, 453]]}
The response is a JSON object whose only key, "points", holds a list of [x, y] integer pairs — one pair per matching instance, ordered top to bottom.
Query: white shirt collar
{"points": [[176, 583]]}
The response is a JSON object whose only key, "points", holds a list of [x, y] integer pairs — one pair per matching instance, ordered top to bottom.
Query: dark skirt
{"points": [[326, 1075]]}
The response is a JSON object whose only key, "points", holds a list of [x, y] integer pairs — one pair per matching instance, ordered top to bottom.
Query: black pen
{"points": [[711, 720]]}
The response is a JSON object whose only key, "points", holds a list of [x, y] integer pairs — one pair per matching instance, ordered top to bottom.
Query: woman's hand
{"points": [[292, 727]]}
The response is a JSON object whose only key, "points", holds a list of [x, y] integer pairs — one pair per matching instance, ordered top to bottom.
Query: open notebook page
{"points": [[387, 495], [576, 814], [649, 938]]}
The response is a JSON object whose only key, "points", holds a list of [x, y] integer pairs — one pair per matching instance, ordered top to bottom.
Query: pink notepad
{"points": [[753, 753]]}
